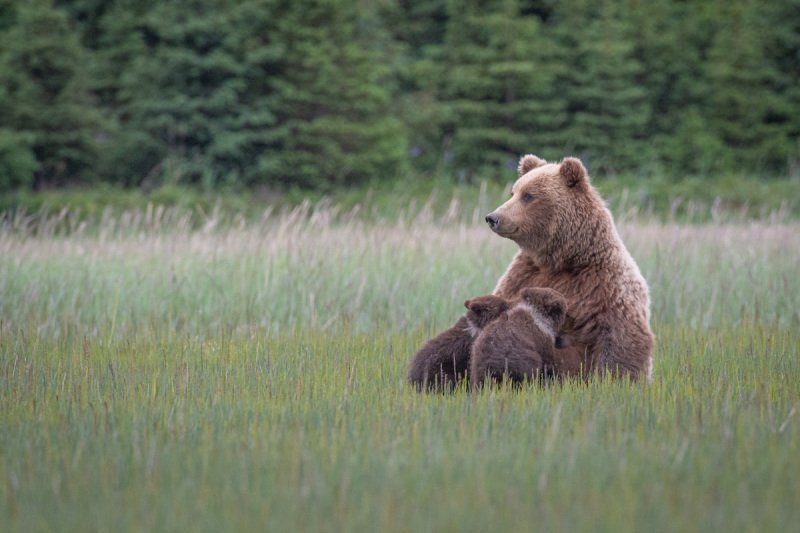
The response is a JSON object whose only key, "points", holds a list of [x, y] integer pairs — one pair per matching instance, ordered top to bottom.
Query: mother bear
{"points": [[568, 242]]}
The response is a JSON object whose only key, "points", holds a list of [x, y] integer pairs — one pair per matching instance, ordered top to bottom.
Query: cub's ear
{"points": [[528, 163], [573, 172], [527, 294], [475, 305]]}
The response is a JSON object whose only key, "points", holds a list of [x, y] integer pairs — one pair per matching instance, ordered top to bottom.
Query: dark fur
{"points": [[515, 346], [444, 360]]}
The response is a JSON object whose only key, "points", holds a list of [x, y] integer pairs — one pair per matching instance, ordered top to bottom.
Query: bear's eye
{"points": [[527, 197]]}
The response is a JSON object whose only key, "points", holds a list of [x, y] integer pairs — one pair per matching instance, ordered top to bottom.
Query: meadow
{"points": [[163, 374]]}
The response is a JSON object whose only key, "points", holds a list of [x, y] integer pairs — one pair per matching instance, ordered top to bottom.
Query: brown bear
{"points": [[568, 242], [521, 343], [443, 361]]}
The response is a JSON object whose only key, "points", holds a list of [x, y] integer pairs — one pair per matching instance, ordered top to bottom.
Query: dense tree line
{"points": [[334, 92]]}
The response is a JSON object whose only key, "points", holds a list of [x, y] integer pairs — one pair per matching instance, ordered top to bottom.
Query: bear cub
{"points": [[521, 343], [443, 361]]}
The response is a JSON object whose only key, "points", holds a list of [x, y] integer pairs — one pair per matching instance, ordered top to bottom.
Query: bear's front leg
{"points": [[624, 353], [443, 361]]}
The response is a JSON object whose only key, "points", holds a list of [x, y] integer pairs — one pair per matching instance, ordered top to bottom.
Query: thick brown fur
{"points": [[568, 242], [520, 344], [444, 360]]}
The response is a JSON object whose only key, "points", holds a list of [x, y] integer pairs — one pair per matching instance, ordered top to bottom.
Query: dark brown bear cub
{"points": [[521, 343], [444, 360]]}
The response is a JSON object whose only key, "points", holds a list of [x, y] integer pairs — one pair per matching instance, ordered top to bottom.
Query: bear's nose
{"points": [[492, 220]]}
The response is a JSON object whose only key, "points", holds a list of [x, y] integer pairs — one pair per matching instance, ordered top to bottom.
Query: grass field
{"points": [[157, 376]]}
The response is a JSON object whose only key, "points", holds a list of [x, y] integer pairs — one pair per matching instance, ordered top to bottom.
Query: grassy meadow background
{"points": [[226, 227], [160, 372]]}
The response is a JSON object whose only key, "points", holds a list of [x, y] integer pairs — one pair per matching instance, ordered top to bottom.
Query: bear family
{"points": [[568, 242], [505, 338], [520, 343], [443, 361]]}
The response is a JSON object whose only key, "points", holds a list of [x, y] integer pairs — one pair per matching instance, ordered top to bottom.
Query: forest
{"points": [[334, 93], [226, 227]]}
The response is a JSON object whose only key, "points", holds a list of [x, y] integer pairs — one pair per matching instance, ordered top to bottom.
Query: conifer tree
{"points": [[783, 19], [670, 42], [497, 87], [182, 88], [259, 92], [327, 93], [740, 98], [607, 106], [45, 107], [334, 122], [134, 155]]}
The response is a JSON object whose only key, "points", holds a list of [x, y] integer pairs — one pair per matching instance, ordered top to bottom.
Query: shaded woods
{"points": [[323, 94]]}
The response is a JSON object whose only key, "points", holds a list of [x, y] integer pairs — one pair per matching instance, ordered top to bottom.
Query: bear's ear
{"points": [[528, 163], [573, 171], [527, 296], [475, 305], [557, 312]]}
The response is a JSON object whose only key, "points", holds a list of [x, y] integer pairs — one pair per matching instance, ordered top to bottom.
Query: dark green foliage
{"points": [[670, 40], [783, 45], [496, 84], [183, 91], [260, 93], [330, 93], [607, 106], [45, 107], [744, 110], [333, 124], [17, 160]]}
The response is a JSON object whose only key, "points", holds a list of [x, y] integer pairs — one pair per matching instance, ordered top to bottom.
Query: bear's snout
{"points": [[493, 220]]}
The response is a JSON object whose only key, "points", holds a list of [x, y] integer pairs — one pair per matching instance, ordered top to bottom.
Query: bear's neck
{"points": [[591, 242]]}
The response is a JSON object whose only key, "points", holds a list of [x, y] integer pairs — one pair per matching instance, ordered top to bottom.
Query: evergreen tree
{"points": [[8, 14], [86, 17], [783, 19], [417, 24], [415, 27], [670, 41], [496, 86], [180, 89], [260, 92], [328, 93], [607, 105], [45, 107], [744, 110], [334, 124], [134, 155]]}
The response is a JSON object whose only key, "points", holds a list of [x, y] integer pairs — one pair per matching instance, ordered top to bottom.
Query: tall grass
{"points": [[301, 269], [240, 376]]}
